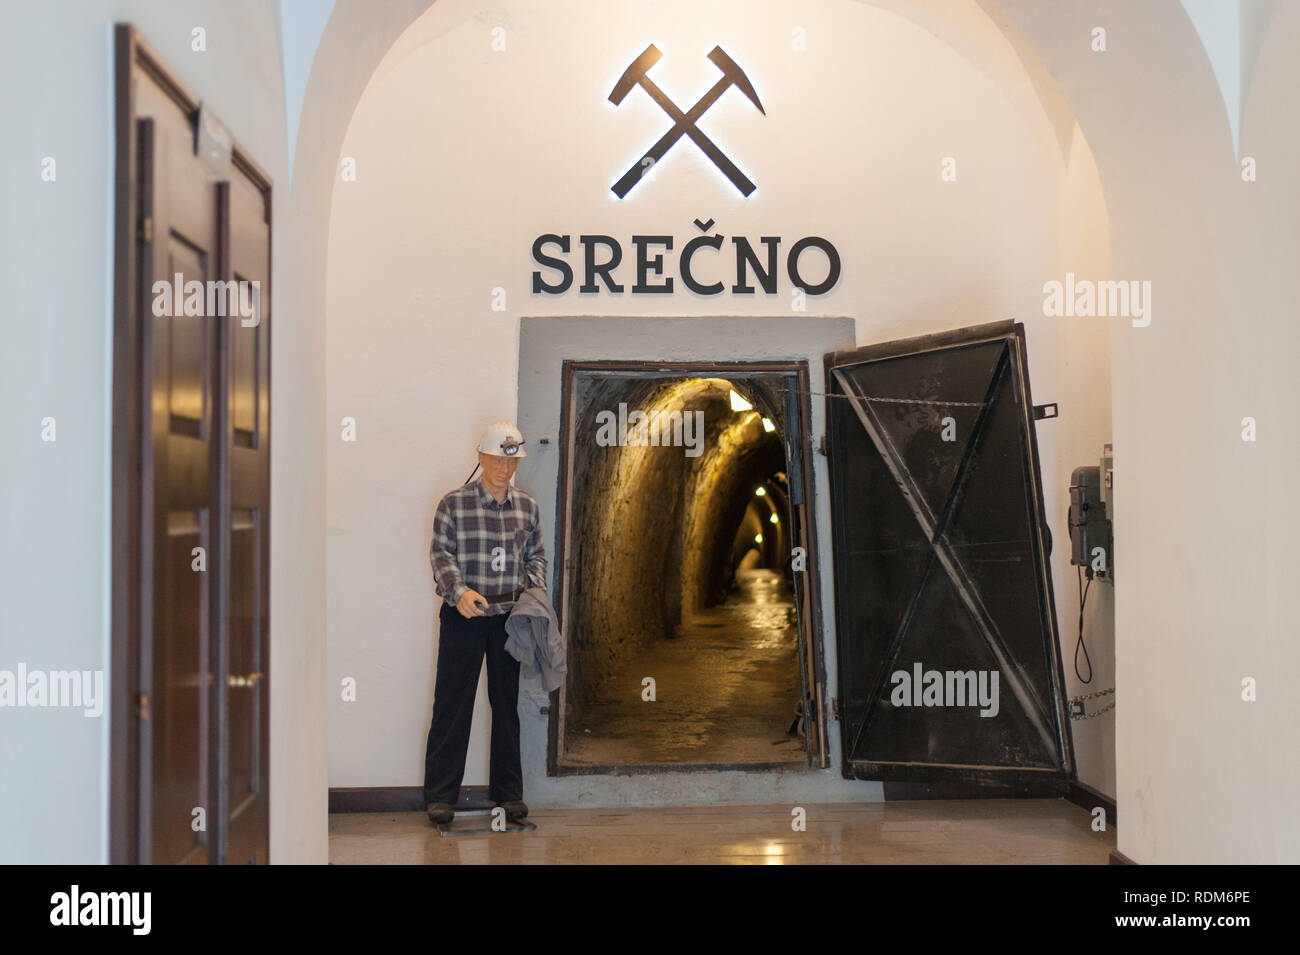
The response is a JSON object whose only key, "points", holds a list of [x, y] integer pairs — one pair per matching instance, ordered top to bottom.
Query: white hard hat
{"points": [[503, 440]]}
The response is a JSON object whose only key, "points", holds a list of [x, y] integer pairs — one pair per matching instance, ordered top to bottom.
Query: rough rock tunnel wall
{"points": [[653, 529]]}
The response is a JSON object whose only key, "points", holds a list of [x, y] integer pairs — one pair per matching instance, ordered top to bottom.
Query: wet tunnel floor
{"points": [[726, 689]]}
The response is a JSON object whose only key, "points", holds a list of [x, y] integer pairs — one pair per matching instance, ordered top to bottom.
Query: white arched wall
{"points": [[352, 45], [452, 188], [56, 242], [1205, 525], [1203, 529], [1206, 529]]}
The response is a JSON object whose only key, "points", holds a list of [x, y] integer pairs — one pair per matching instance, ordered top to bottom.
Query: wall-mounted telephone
{"points": [[1090, 518]]}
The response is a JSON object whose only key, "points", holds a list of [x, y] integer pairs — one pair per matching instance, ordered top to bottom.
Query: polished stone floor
{"points": [[726, 689], [999, 831]]}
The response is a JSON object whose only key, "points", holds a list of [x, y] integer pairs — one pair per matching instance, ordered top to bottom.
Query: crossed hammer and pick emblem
{"points": [[684, 124]]}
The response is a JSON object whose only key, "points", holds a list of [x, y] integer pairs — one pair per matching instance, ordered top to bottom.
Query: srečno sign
{"points": [[707, 264]]}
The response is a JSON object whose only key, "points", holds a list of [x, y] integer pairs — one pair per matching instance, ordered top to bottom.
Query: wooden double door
{"points": [[191, 481]]}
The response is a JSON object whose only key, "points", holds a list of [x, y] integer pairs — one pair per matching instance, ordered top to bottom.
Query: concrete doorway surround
{"points": [[545, 345]]}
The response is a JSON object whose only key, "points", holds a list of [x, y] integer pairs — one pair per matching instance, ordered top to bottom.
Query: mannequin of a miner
{"points": [[487, 549]]}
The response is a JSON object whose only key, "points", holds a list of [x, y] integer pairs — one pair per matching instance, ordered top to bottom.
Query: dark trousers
{"points": [[460, 659]]}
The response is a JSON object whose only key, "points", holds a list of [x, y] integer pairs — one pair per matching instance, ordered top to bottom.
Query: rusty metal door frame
{"points": [[811, 655]]}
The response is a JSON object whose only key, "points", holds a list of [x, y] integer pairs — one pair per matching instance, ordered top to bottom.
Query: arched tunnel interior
{"points": [[683, 643]]}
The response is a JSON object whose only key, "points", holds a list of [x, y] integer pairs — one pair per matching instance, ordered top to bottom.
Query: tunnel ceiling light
{"points": [[739, 404], [767, 425], [760, 492], [773, 519], [758, 538]]}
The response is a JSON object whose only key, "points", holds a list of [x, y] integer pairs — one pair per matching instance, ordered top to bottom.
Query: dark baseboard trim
{"points": [[896, 790], [1084, 796], [400, 799], [1118, 858]]}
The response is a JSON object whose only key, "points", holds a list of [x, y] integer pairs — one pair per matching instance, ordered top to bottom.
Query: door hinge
{"points": [[146, 229], [1045, 411], [821, 444], [833, 708], [142, 709]]}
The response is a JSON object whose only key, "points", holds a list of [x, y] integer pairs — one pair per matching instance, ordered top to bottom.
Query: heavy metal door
{"points": [[949, 663]]}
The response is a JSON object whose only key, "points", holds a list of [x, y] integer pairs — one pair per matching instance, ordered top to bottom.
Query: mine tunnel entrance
{"points": [[687, 576]]}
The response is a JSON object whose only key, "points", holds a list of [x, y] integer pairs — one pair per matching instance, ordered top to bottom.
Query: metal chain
{"points": [[874, 400], [923, 401], [1092, 696], [1080, 714]]}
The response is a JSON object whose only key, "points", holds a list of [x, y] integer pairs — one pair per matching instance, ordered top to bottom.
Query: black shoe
{"points": [[515, 809], [440, 813]]}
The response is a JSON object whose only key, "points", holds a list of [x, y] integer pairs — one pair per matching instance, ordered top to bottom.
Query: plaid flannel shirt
{"points": [[468, 525]]}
